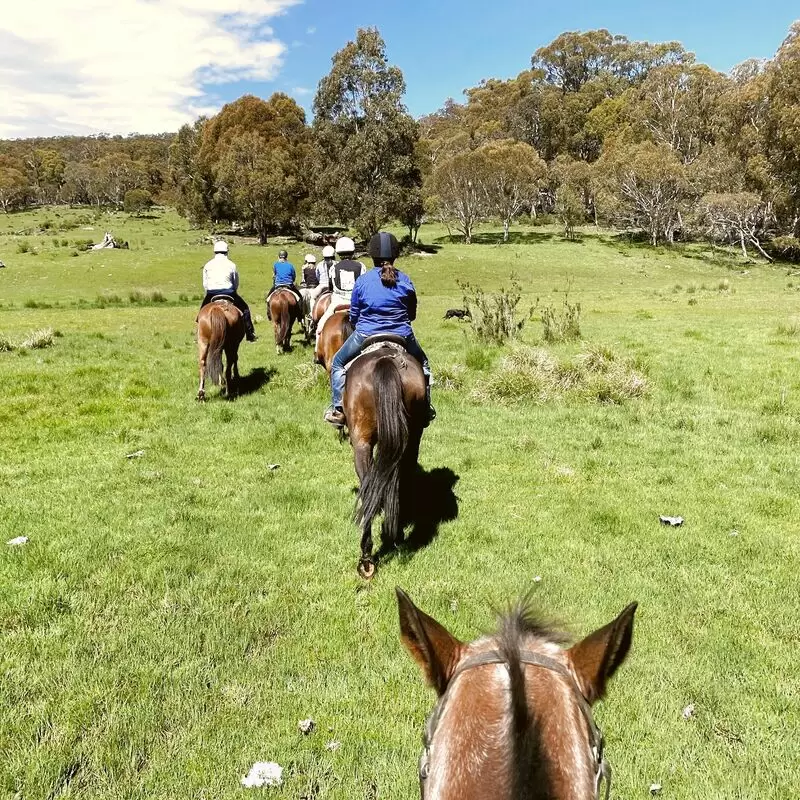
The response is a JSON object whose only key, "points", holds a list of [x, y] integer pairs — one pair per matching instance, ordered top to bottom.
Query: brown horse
{"points": [[284, 309], [318, 309], [219, 327], [333, 336], [385, 407], [513, 719]]}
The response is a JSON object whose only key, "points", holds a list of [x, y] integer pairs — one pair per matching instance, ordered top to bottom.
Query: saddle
{"points": [[289, 288], [222, 298], [380, 341]]}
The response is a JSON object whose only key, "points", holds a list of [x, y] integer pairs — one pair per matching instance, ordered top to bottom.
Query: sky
{"points": [[147, 66]]}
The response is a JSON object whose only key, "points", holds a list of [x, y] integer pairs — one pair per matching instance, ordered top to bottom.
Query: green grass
{"points": [[174, 616]]}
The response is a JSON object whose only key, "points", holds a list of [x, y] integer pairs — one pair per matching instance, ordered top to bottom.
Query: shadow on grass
{"points": [[514, 237], [256, 379], [431, 503]]}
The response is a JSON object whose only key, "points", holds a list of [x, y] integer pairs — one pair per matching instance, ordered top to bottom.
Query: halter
{"points": [[602, 767]]}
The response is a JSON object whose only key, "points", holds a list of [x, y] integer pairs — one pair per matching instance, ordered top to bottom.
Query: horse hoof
{"points": [[201, 397], [366, 568]]}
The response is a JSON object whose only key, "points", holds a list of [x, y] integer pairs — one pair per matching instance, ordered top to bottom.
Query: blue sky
{"points": [[444, 47], [92, 66]]}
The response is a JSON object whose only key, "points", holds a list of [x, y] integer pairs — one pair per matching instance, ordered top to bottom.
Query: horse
{"points": [[318, 309], [284, 310], [220, 326], [335, 333], [386, 410], [513, 717]]}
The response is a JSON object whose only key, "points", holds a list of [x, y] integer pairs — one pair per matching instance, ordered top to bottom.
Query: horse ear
{"points": [[431, 645], [596, 658]]}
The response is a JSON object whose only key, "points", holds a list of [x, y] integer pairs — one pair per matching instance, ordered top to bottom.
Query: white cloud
{"points": [[120, 66], [301, 91]]}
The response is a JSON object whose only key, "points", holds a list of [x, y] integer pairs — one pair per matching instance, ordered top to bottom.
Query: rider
{"points": [[343, 275], [220, 277], [283, 277], [310, 282], [384, 301]]}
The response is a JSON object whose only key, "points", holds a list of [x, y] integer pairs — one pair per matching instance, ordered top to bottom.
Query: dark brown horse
{"points": [[284, 310], [219, 327], [333, 336], [384, 403], [514, 720]]}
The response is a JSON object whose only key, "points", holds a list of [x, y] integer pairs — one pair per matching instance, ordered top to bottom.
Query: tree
{"points": [[364, 140], [118, 173], [511, 174], [644, 185], [13, 187], [458, 191], [136, 201], [569, 209], [741, 215]]}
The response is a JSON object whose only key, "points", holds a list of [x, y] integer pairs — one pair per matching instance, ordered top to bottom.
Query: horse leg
{"points": [[201, 392], [231, 392], [363, 461], [408, 471]]}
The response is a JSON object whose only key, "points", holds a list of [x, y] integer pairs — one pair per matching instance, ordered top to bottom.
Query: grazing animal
{"points": [[284, 310], [457, 313], [220, 326], [333, 336], [386, 411], [513, 720]]}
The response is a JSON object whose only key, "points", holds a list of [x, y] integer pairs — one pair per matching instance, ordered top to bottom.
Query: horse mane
{"points": [[516, 624]]}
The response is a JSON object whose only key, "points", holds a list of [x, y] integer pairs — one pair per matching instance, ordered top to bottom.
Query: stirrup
{"points": [[335, 417]]}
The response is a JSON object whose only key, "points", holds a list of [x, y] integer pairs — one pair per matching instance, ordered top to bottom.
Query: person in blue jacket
{"points": [[284, 277], [383, 301]]}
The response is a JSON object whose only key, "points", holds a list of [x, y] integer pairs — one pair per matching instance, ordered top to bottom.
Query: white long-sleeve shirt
{"points": [[220, 274]]}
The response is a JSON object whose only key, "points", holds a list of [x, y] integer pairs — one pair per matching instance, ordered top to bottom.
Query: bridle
{"points": [[602, 767]]}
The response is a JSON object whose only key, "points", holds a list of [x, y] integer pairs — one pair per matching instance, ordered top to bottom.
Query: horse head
{"points": [[513, 719]]}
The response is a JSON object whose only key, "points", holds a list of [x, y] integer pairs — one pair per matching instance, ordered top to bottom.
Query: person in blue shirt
{"points": [[284, 277], [383, 301]]}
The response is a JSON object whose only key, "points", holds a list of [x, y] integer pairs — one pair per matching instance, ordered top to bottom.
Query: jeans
{"points": [[351, 348]]}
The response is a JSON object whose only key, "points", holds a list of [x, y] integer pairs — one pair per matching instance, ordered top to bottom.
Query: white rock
{"points": [[18, 541], [537, 578], [688, 712], [306, 726], [263, 773], [655, 788]]}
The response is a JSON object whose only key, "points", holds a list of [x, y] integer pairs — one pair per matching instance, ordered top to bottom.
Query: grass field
{"points": [[173, 616]]}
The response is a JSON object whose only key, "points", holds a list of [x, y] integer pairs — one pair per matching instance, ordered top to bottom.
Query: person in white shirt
{"points": [[220, 277]]}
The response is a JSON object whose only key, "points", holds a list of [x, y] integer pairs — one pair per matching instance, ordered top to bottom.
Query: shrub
{"points": [[136, 201], [56, 242], [65, 242], [23, 247], [786, 247], [136, 296], [157, 297], [493, 318], [563, 323], [788, 328], [38, 340], [6, 345], [478, 358], [532, 374], [450, 378]]}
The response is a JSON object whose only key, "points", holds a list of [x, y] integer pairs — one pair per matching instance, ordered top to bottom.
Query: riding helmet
{"points": [[345, 245], [220, 247], [384, 247], [328, 252], [283, 254], [311, 259]]}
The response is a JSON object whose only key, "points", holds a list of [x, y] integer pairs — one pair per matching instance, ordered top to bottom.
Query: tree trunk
{"points": [[505, 230], [741, 241], [760, 249]]}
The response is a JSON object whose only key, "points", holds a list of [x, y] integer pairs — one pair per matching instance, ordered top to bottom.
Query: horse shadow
{"points": [[255, 380], [430, 501]]}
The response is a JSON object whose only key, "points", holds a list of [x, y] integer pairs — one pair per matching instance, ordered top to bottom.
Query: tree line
{"points": [[598, 129]]}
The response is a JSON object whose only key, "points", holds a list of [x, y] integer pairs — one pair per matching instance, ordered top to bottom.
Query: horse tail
{"points": [[285, 323], [218, 325], [380, 490]]}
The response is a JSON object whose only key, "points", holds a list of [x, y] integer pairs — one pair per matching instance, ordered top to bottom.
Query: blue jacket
{"points": [[284, 273], [375, 308]]}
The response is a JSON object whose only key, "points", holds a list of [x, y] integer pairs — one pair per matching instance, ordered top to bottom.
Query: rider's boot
{"points": [[249, 330], [335, 416]]}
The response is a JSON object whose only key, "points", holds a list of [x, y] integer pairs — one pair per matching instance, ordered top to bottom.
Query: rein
{"points": [[526, 657]]}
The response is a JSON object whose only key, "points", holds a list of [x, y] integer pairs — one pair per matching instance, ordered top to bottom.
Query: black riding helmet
{"points": [[384, 247]]}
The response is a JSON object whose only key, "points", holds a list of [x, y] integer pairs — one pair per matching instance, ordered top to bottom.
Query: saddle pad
{"points": [[398, 349]]}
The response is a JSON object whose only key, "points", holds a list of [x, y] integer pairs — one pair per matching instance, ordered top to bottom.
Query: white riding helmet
{"points": [[345, 245], [220, 247], [328, 252], [311, 259]]}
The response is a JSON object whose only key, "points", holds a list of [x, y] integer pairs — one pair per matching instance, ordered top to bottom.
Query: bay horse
{"points": [[284, 309], [220, 326], [335, 333], [386, 411], [513, 720]]}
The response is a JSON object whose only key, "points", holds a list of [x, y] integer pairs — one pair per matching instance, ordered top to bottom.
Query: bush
{"points": [[136, 201], [23, 247], [786, 248], [157, 297], [493, 318], [563, 323], [38, 340], [6, 345], [478, 358], [532, 374], [450, 378]]}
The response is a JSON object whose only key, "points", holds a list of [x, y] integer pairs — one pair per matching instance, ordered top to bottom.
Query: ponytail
{"points": [[388, 274]]}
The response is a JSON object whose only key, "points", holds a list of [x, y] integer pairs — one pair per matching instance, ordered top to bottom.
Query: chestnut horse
{"points": [[284, 309], [318, 309], [219, 327], [333, 336], [385, 407], [514, 719]]}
